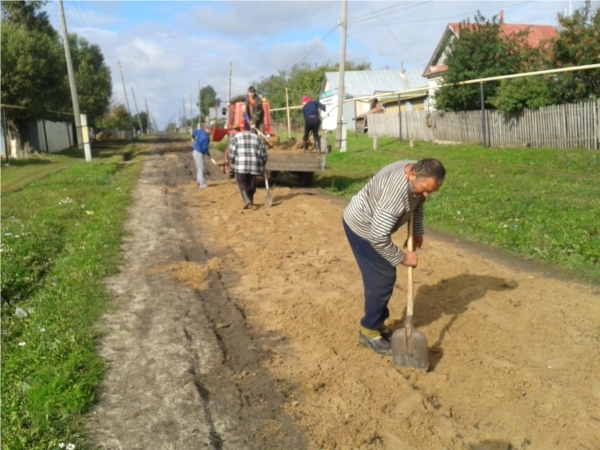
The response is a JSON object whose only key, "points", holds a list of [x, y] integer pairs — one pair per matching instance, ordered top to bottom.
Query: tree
{"points": [[28, 15], [577, 44], [481, 51], [33, 68], [34, 72], [92, 76], [208, 97], [142, 118], [116, 119]]}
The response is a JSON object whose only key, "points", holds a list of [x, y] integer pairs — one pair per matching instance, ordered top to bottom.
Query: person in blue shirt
{"points": [[312, 121], [201, 138]]}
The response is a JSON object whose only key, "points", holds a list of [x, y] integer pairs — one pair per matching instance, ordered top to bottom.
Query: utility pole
{"points": [[72, 85], [229, 95], [127, 101], [199, 105], [137, 111], [340, 112], [191, 114], [147, 117], [155, 128]]}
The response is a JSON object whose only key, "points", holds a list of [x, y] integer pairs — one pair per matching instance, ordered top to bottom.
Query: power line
{"points": [[374, 14], [452, 16], [396, 39]]}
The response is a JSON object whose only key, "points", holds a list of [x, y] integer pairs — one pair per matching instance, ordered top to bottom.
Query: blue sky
{"points": [[167, 47]]}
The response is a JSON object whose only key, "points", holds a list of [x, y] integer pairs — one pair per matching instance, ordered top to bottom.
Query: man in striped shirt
{"points": [[248, 157], [372, 216]]}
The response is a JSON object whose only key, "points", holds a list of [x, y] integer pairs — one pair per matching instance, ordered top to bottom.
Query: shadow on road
{"points": [[450, 297]]}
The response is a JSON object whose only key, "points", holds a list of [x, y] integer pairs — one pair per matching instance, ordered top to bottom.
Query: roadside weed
{"points": [[54, 256]]}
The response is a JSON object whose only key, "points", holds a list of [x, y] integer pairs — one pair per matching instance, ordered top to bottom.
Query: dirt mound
{"points": [[291, 144], [514, 354]]}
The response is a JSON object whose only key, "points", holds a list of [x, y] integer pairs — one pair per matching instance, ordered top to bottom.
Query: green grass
{"points": [[542, 204], [61, 233]]}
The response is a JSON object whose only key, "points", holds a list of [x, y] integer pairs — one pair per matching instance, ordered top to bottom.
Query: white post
{"points": [[341, 94], [343, 137], [86, 138], [375, 142]]}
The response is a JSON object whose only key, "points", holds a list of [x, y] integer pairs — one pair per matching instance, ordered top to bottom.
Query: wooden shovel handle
{"points": [[410, 299]]}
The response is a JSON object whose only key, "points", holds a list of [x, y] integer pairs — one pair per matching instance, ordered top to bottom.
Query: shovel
{"points": [[268, 198], [409, 347]]}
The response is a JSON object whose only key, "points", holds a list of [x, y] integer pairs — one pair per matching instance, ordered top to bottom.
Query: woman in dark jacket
{"points": [[312, 121]]}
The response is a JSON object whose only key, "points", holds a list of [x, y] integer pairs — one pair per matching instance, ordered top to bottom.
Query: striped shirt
{"points": [[247, 153], [383, 206]]}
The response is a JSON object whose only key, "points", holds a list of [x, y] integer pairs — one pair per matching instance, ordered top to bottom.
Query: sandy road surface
{"points": [[238, 329]]}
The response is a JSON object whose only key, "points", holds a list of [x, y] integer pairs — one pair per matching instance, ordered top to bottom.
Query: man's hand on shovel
{"points": [[411, 259]]}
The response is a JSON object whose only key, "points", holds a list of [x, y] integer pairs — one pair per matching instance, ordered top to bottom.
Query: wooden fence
{"points": [[559, 126]]}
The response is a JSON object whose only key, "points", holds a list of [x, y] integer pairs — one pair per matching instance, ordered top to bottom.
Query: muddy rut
{"points": [[238, 329]]}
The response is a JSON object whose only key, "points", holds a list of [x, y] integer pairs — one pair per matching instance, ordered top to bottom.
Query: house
{"points": [[436, 67], [367, 83]]}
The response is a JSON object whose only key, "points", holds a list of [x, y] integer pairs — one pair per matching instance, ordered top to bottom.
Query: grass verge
{"points": [[541, 204], [61, 232]]}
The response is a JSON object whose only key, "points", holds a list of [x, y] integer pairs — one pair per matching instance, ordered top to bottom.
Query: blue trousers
{"points": [[379, 277]]}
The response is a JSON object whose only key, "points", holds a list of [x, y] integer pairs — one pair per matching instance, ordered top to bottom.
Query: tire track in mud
{"points": [[183, 373]]}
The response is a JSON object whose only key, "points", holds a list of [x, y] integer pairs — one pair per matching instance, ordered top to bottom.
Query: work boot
{"points": [[304, 145], [318, 145], [251, 197], [247, 201], [386, 333], [377, 344]]}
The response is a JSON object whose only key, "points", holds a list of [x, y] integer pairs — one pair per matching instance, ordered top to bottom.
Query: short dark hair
{"points": [[252, 89], [430, 168]]}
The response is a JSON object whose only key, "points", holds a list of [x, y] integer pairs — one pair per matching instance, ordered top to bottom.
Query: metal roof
{"points": [[366, 82]]}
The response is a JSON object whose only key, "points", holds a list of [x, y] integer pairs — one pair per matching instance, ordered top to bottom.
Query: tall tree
{"points": [[28, 15], [578, 44], [480, 51], [33, 69], [34, 73], [92, 75], [208, 96], [117, 119]]}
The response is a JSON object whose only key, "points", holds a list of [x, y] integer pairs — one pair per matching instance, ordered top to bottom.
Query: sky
{"points": [[168, 48]]}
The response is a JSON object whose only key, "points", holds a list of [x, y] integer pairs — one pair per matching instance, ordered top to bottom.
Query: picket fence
{"points": [[560, 126]]}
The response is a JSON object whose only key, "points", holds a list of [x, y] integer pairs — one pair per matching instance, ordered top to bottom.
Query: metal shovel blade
{"points": [[268, 197], [268, 200], [410, 351]]}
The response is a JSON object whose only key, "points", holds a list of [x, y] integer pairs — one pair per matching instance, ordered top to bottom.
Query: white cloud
{"points": [[165, 48]]}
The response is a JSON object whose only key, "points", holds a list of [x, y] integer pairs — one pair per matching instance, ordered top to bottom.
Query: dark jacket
{"points": [[311, 109], [256, 113]]}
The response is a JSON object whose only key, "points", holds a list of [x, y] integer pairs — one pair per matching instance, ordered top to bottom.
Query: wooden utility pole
{"points": [[72, 85], [229, 94], [126, 101], [199, 106], [287, 106], [137, 111], [340, 112], [147, 117], [184, 118], [191, 124]]}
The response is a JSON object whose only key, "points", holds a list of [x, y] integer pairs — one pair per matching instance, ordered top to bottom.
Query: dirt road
{"points": [[238, 329]]}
